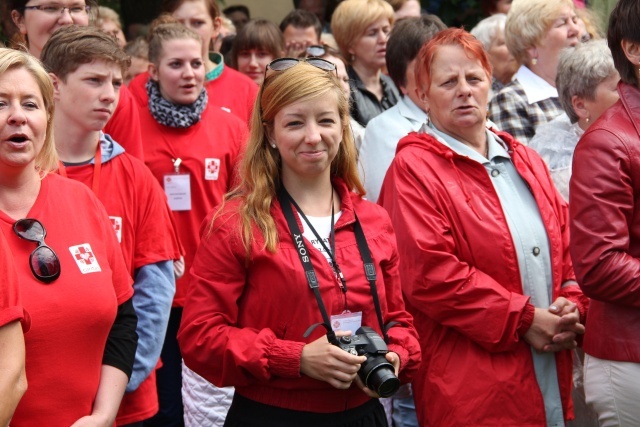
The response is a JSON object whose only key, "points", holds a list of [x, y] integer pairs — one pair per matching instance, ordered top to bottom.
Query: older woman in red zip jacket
{"points": [[605, 233], [483, 241]]}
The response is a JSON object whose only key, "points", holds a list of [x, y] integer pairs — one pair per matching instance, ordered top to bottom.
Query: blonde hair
{"points": [[106, 14], [352, 17], [527, 23], [47, 159], [260, 167]]}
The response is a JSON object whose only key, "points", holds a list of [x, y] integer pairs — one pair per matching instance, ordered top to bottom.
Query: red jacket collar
{"points": [[630, 98]]}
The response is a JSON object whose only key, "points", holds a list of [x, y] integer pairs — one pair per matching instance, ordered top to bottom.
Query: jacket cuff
{"points": [[527, 319], [284, 358]]}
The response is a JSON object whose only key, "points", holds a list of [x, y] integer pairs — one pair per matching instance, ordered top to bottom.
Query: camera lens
{"points": [[379, 375]]}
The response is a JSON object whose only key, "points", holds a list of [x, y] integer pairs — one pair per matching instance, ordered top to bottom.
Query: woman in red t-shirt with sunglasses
{"points": [[73, 280]]}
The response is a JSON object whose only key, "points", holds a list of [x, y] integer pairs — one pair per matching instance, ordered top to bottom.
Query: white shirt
{"points": [[535, 87], [381, 138]]}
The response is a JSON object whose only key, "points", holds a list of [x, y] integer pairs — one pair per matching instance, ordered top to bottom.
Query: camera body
{"points": [[377, 373]]}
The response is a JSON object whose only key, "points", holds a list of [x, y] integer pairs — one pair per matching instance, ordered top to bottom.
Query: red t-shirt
{"points": [[232, 91], [124, 125], [209, 150], [138, 211], [10, 303], [72, 316]]}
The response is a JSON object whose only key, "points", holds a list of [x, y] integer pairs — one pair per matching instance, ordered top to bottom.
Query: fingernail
{"points": [[554, 308]]}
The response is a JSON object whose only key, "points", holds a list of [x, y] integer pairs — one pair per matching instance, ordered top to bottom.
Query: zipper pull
{"points": [[342, 281]]}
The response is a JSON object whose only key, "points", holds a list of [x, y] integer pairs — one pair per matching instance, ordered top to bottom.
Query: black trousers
{"points": [[169, 378], [248, 413]]}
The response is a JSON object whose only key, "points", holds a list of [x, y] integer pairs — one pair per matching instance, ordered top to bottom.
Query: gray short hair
{"points": [[489, 28], [580, 70]]}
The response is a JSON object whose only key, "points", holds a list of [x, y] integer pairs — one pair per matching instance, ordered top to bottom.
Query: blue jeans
{"points": [[404, 409]]}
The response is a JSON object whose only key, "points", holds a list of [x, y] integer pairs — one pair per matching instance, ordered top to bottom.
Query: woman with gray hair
{"points": [[490, 32], [536, 32], [586, 85]]}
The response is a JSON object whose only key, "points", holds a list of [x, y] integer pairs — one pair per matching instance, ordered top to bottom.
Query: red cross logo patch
{"points": [[211, 169], [116, 222], [85, 258]]}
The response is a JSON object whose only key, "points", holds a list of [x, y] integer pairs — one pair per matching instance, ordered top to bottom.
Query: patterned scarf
{"points": [[174, 115]]}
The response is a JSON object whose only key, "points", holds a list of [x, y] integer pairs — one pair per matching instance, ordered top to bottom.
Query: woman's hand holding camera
{"points": [[394, 359], [326, 362]]}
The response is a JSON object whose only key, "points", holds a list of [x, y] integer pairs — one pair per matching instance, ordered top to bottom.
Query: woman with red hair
{"points": [[483, 238]]}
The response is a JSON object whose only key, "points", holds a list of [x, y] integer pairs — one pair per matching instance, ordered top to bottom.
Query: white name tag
{"points": [[178, 190], [347, 322]]}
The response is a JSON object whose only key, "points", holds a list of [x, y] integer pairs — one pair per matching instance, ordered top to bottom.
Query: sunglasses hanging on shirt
{"points": [[44, 263]]}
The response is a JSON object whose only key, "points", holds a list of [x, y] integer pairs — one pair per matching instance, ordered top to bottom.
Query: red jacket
{"points": [[605, 228], [461, 281], [243, 326]]}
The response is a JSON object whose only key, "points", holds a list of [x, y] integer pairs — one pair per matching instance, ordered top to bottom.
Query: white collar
{"points": [[534, 86], [409, 109]]}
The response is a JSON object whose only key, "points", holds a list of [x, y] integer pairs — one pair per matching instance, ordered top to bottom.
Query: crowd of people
{"points": [[356, 217]]}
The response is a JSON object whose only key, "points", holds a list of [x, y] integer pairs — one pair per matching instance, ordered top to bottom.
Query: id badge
{"points": [[177, 187], [347, 321]]}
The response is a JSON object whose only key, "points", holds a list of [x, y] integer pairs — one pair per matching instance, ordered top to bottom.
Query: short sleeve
{"points": [[10, 303]]}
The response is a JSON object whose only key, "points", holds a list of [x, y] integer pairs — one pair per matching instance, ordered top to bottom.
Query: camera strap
{"points": [[301, 248], [369, 272]]}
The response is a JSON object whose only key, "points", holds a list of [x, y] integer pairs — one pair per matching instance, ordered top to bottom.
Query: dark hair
{"points": [[170, 6], [488, 7], [237, 8], [299, 18], [623, 25], [258, 34], [405, 41], [72, 46]]}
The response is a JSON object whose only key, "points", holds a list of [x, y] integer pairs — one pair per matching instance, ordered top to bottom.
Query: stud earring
{"points": [[534, 61], [587, 120], [273, 145]]}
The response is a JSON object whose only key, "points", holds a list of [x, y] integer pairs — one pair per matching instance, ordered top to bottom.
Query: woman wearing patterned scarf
{"points": [[192, 147]]}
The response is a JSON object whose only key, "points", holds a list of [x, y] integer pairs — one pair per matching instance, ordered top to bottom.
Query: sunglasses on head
{"points": [[282, 64], [43, 261]]}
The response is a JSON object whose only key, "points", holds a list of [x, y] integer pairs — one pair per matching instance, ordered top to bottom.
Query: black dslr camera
{"points": [[376, 372]]}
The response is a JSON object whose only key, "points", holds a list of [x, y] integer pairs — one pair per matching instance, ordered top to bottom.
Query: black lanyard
{"points": [[332, 242], [312, 279]]}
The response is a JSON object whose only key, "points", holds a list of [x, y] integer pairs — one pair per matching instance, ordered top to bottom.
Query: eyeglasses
{"points": [[52, 9], [315, 50], [282, 64], [43, 261]]}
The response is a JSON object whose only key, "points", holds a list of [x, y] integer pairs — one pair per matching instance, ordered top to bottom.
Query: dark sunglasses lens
{"points": [[315, 50], [283, 64], [322, 64], [29, 229], [45, 264]]}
